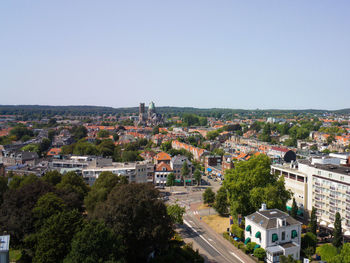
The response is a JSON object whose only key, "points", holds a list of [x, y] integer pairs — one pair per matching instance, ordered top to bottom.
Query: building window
{"points": [[283, 235]]}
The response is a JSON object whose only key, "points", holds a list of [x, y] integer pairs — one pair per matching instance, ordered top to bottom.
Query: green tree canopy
{"points": [[197, 176], [52, 177], [170, 180], [71, 182], [251, 183], [101, 188], [209, 196], [221, 202], [176, 213], [136, 214], [337, 232], [53, 241], [94, 243], [327, 252]]}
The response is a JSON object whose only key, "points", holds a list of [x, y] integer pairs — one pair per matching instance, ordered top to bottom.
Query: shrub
{"points": [[237, 231], [240, 245], [250, 247], [327, 252], [260, 253]]}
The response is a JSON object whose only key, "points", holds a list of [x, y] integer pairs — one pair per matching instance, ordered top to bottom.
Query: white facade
{"points": [[134, 172], [275, 231]]}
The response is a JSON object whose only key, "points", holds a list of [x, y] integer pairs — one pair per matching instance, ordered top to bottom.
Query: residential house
{"points": [[275, 231]]}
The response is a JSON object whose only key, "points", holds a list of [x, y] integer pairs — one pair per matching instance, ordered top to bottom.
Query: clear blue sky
{"points": [[202, 53]]}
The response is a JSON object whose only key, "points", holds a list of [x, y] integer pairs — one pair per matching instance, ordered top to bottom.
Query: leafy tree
{"points": [[155, 130], [20, 131], [79, 132], [51, 134], [103, 134], [212, 135], [115, 137], [330, 139], [44, 145], [166, 146], [106, 148], [131, 156], [185, 171], [197, 176], [52, 177], [170, 180], [71, 182], [251, 183], [3, 188], [101, 188], [209, 196], [221, 204], [47, 205], [294, 211], [135, 213], [176, 213], [16, 217], [313, 221], [237, 231], [337, 232], [53, 241], [94, 243], [308, 243], [250, 247], [327, 252], [260, 253], [343, 256]]}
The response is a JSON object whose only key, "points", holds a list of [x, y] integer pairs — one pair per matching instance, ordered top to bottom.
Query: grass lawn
{"points": [[218, 223], [15, 255]]}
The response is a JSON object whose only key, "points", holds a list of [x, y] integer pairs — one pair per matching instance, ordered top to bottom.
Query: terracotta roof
{"points": [[54, 151], [162, 156], [162, 166]]}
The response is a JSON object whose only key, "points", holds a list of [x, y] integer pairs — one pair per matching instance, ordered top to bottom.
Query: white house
{"points": [[275, 231]]}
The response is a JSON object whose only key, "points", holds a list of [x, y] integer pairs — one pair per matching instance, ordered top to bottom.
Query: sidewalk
{"points": [[239, 253]]}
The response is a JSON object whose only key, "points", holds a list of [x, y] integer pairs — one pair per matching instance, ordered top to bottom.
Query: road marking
{"points": [[186, 223], [210, 239], [233, 254]]}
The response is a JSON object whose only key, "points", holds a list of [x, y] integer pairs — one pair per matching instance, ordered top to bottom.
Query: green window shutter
{"points": [[248, 228], [294, 233], [258, 234], [274, 237], [247, 240], [256, 246]]}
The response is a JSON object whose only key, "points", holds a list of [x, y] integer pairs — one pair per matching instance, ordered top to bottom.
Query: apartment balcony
{"points": [[316, 183], [332, 188], [317, 191], [348, 192], [332, 195], [318, 198], [347, 200], [332, 203], [318, 206], [348, 208], [333, 211], [347, 216]]}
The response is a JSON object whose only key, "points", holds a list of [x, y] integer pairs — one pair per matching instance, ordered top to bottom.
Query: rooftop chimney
{"points": [[263, 207]]}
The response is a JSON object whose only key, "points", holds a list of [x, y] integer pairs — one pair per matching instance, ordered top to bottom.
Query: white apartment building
{"points": [[134, 171], [295, 181], [326, 187], [275, 231]]}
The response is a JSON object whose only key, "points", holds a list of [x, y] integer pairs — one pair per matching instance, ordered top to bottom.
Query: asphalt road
{"points": [[211, 246]]}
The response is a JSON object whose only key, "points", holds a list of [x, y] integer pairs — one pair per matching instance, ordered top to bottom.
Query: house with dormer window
{"points": [[275, 231]]}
